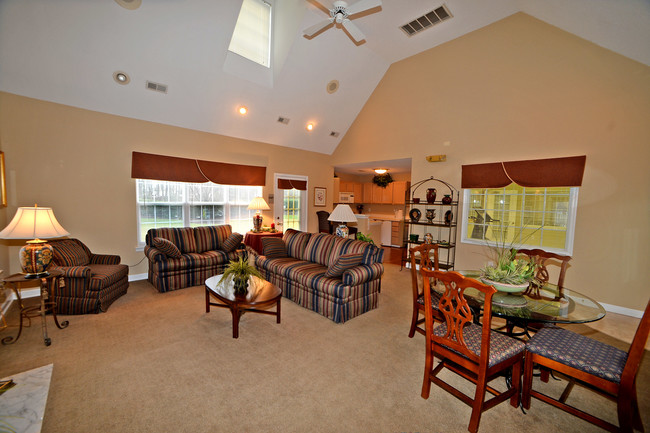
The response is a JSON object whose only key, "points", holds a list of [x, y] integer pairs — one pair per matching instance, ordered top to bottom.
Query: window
{"points": [[252, 35], [182, 204], [290, 207], [532, 217]]}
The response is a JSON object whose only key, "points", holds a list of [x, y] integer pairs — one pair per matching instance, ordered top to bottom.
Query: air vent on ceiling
{"points": [[427, 20], [162, 88], [283, 120], [334, 134]]}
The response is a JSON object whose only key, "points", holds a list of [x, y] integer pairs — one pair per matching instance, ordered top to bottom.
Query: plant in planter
{"points": [[382, 180], [365, 238], [239, 271]]}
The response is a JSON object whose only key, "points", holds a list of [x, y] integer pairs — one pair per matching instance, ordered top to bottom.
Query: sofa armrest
{"points": [[154, 254], [105, 259], [74, 271], [362, 274]]}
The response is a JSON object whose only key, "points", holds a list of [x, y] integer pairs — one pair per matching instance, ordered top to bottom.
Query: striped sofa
{"points": [[195, 254], [336, 277], [91, 282]]}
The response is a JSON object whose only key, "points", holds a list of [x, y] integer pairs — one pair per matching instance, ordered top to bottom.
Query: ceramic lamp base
{"points": [[342, 231], [35, 258]]}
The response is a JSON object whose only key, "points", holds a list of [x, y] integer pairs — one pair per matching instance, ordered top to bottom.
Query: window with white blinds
{"points": [[252, 36]]}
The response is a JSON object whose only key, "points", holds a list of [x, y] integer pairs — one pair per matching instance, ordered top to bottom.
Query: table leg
{"points": [[207, 300], [53, 306], [278, 310], [236, 314], [9, 339], [46, 339]]}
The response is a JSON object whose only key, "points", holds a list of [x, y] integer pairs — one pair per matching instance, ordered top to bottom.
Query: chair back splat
{"points": [[426, 255], [541, 258], [473, 351], [601, 367]]}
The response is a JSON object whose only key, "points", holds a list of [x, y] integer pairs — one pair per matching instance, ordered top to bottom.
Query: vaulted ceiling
{"points": [[66, 51]]}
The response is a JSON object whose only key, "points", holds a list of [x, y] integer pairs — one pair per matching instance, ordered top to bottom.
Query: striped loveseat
{"points": [[184, 257], [336, 277], [91, 282]]}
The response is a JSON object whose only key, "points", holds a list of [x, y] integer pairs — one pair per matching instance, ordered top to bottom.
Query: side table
{"points": [[254, 239], [48, 285]]}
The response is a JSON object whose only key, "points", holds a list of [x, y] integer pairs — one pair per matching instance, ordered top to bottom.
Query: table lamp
{"points": [[258, 204], [342, 214], [35, 223]]}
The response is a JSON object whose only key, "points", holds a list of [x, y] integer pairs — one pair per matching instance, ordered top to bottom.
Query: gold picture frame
{"points": [[3, 180]]}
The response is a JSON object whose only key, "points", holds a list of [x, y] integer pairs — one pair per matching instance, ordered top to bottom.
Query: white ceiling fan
{"points": [[339, 15]]}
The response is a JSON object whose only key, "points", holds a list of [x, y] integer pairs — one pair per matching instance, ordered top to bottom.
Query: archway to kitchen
{"points": [[379, 210]]}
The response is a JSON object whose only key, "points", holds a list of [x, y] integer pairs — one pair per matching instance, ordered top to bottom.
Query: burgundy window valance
{"points": [[171, 168], [535, 173], [292, 183]]}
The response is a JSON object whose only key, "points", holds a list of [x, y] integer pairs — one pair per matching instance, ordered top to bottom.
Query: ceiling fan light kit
{"points": [[340, 13]]}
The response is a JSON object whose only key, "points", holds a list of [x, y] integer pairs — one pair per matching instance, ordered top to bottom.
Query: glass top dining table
{"points": [[548, 305]]}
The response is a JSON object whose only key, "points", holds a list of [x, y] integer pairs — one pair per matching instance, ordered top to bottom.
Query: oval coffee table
{"points": [[261, 295]]}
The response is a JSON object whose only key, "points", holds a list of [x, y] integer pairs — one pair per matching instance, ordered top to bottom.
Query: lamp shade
{"points": [[258, 203], [342, 213], [33, 223]]}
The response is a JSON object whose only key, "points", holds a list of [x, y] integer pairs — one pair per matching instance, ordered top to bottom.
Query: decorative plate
{"points": [[415, 214]]}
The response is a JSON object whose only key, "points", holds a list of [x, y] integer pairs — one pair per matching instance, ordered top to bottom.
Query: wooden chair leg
{"points": [[414, 320], [428, 366], [528, 381], [516, 384], [477, 407]]}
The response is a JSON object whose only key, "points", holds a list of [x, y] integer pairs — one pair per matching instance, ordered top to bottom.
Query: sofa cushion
{"points": [[183, 237], [210, 238], [296, 243], [231, 244], [343, 246], [166, 247], [319, 247], [274, 248], [69, 252], [194, 261], [342, 263], [102, 276]]}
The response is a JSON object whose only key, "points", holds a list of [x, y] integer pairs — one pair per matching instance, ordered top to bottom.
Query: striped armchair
{"points": [[91, 282]]}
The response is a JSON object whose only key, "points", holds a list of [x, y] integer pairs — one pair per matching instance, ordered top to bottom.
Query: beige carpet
{"points": [[158, 363]]}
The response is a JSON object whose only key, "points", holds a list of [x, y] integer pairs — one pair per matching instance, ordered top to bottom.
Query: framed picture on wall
{"points": [[320, 196]]}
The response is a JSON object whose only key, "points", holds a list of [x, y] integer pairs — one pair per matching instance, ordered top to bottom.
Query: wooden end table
{"points": [[254, 239], [48, 289], [261, 294]]}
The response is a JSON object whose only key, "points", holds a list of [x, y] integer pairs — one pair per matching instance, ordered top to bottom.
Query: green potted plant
{"points": [[382, 180], [365, 238], [239, 271]]}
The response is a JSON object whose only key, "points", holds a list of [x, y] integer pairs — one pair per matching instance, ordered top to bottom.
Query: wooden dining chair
{"points": [[426, 255], [542, 258], [470, 350], [602, 368]]}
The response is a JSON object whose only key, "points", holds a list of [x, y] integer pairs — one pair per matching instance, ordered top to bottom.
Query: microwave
{"points": [[346, 197]]}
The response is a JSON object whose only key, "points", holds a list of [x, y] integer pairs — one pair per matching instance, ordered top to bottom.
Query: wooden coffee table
{"points": [[261, 295]]}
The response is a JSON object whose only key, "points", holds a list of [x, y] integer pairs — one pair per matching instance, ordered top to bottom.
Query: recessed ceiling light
{"points": [[129, 4], [121, 77], [242, 110], [310, 126]]}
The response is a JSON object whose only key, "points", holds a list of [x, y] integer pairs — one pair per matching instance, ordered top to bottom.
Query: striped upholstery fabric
{"points": [[183, 238], [210, 238], [296, 243], [231, 244], [167, 247], [274, 248], [318, 248], [70, 252], [343, 263], [303, 278], [89, 288], [502, 347], [579, 351]]}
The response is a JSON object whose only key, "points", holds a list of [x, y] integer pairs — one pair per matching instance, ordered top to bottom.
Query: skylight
{"points": [[252, 36]]}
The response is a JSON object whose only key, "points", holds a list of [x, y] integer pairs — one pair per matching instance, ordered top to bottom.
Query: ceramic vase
{"points": [[431, 195], [446, 199], [431, 214], [428, 238], [240, 285]]}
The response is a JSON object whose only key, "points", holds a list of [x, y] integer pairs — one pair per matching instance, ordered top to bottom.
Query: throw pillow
{"points": [[231, 244], [167, 247], [274, 248], [342, 264]]}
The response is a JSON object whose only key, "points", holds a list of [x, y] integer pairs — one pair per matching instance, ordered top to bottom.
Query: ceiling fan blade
{"points": [[363, 5], [353, 30], [311, 31]]}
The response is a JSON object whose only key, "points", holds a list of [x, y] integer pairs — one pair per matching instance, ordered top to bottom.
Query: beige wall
{"points": [[522, 89], [79, 163]]}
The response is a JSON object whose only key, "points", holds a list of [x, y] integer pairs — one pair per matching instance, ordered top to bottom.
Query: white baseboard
{"points": [[137, 277], [622, 310]]}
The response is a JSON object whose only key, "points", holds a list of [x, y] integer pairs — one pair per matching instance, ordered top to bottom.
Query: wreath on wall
{"points": [[382, 180]]}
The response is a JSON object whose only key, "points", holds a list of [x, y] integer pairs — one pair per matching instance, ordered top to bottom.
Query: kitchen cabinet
{"points": [[354, 187], [399, 191], [367, 192], [382, 195], [442, 222]]}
